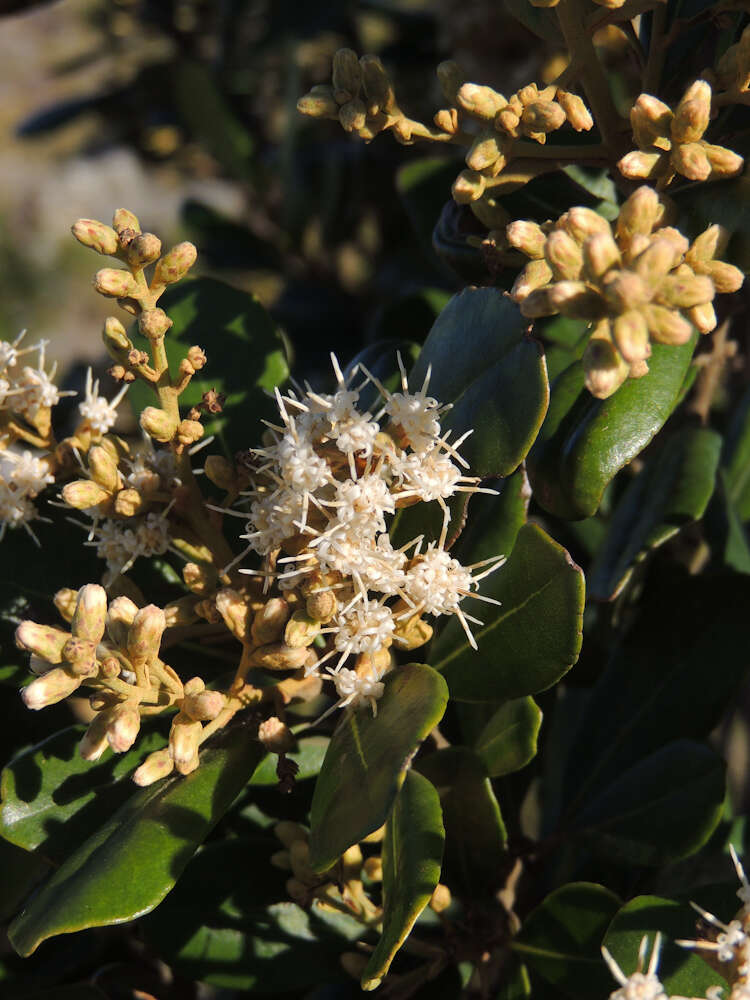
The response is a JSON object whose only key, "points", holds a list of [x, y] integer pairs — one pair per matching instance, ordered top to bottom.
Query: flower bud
{"points": [[347, 75], [451, 77], [377, 86], [482, 102], [318, 103], [575, 110], [692, 114], [353, 116], [542, 116], [447, 120], [650, 120], [508, 121], [484, 152], [690, 160], [724, 163], [637, 164], [468, 187], [639, 214], [124, 220], [581, 223], [96, 236], [527, 237], [706, 246], [144, 249], [563, 255], [600, 255], [656, 261], [175, 265], [536, 274], [726, 277], [115, 283], [624, 290], [685, 291], [575, 298], [703, 317], [154, 323], [667, 326], [630, 333], [115, 338], [197, 357], [605, 368], [158, 424], [103, 468], [82, 494], [128, 503], [201, 579], [65, 602], [321, 606], [233, 608], [181, 611], [90, 613], [120, 616], [269, 621], [301, 630], [144, 635], [43, 641], [80, 655], [279, 656], [50, 688], [203, 706], [123, 728], [277, 737], [184, 740], [94, 741], [157, 765], [281, 859], [373, 869], [299, 893], [440, 899]]}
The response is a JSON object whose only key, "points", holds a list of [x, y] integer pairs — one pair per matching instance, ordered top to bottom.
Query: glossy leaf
{"points": [[246, 356], [494, 375], [584, 442], [673, 489], [494, 522], [528, 642], [508, 741], [308, 757], [367, 759], [52, 799], [664, 807], [163, 823], [475, 834], [412, 856], [20, 871], [561, 939], [682, 972]]}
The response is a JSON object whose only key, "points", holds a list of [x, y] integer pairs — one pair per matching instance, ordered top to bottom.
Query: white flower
{"points": [[37, 390], [98, 411], [25, 473], [431, 476], [361, 504], [15, 509], [438, 583], [364, 628], [356, 690], [732, 944], [639, 985]]}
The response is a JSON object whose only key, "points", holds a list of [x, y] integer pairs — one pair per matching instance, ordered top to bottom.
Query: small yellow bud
{"points": [[347, 75], [450, 77], [377, 86], [481, 102], [318, 103], [575, 110], [692, 114], [353, 115], [542, 116], [447, 120], [506, 120], [650, 120], [484, 152], [690, 160], [724, 163], [638, 165], [468, 187], [639, 214], [123, 220], [581, 223], [96, 236], [527, 237], [706, 246], [144, 249], [600, 254], [563, 255], [656, 261], [175, 265], [536, 274], [726, 277], [115, 283], [624, 290], [685, 291], [703, 317], [154, 323], [667, 326], [630, 333], [115, 338], [197, 357], [604, 366], [158, 424], [189, 431], [103, 468], [83, 494], [129, 502], [201, 579], [65, 602], [321, 606], [233, 608], [181, 611], [90, 613], [120, 616], [269, 621], [301, 630], [412, 633], [144, 635], [44, 641], [279, 656], [50, 688], [203, 705], [123, 728], [277, 737], [184, 740], [94, 741], [157, 765], [373, 869], [440, 899]]}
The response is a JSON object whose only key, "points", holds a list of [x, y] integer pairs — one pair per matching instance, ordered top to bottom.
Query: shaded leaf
{"points": [[539, 20], [424, 185], [381, 359], [736, 458], [494, 522], [532, 639], [508, 741], [367, 760], [412, 855], [20, 871]]}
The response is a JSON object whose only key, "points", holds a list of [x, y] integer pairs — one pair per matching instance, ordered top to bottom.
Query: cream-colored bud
{"points": [[347, 74], [451, 77], [376, 85], [528, 94], [481, 102], [319, 103], [575, 111], [692, 114], [353, 116], [542, 116], [447, 120], [506, 120], [650, 120], [484, 152], [690, 160], [724, 163], [637, 165], [468, 187], [639, 214], [123, 221], [581, 223], [96, 235], [528, 237], [707, 245], [144, 249], [563, 255], [600, 255], [175, 265], [536, 274], [726, 277], [115, 283], [624, 290], [685, 291], [575, 298], [538, 303], [703, 317], [154, 323], [667, 326], [630, 333], [115, 338], [604, 366], [158, 424], [190, 431], [103, 468], [220, 472], [82, 494], [129, 502], [200, 578], [65, 602], [321, 606], [233, 608], [181, 611], [90, 613], [120, 616], [269, 621], [301, 630], [412, 633], [144, 635], [43, 641], [80, 654], [279, 656], [50, 688], [203, 706], [123, 728], [277, 737], [184, 740], [94, 741], [157, 765], [289, 833], [373, 869], [440, 899]]}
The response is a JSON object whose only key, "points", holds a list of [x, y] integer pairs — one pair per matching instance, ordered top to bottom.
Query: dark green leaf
{"points": [[424, 185], [725, 202], [455, 225], [246, 356], [381, 359], [494, 375], [584, 442], [736, 458], [673, 489], [494, 522], [725, 532], [532, 639], [508, 741], [308, 757], [367, 760], [663, 808], [163, 823], [475, 835], [412, 855], [20, 871], [561, 939], [681, 972]]}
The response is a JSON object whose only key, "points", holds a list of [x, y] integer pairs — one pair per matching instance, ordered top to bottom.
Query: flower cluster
{"points": [[672, 143], [641, 282], [324, 492]]}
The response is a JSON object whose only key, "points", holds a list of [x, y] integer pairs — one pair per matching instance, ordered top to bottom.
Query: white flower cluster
{"points": [[25, 389], [99, 413], [22, 477], [325, 491], [120, 543]]}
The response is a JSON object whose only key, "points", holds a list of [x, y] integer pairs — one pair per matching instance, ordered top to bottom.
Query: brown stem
{"points": [[656, 51]]}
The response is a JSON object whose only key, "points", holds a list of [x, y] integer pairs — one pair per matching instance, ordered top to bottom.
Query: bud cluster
{"points": [[733, 69], [671, 143], [642, 282]]}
